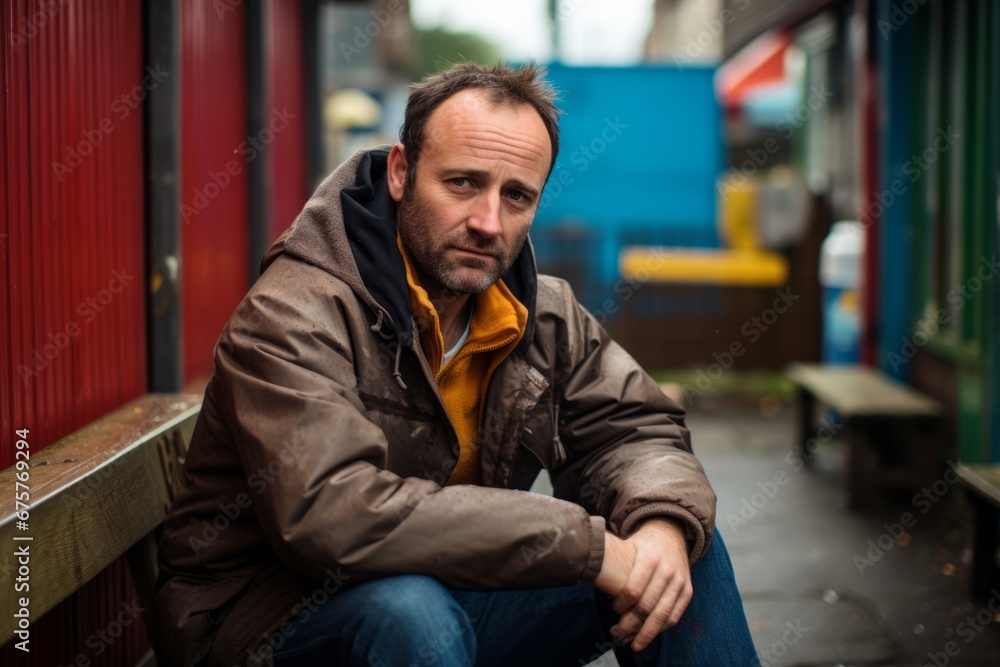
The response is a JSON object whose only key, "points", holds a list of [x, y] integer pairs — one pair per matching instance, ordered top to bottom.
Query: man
{"points": [[383, 396]]}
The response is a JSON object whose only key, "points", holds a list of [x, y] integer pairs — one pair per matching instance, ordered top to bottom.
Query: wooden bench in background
{"points": [[891, 432], [983, 485], [95, 495]]}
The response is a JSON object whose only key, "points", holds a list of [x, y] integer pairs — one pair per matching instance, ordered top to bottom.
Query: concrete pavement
{"points": [[823, 585]]}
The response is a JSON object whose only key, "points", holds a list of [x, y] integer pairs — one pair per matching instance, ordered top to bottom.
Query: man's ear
{"points": [[396, 171]]}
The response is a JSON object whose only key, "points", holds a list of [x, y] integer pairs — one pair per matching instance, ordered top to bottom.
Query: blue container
{"points": [[641, 151], [840, 276], [841, 325]]}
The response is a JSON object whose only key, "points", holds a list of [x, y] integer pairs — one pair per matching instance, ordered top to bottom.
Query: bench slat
{"points": [[859, 391], [984, 479], [94, 494]]}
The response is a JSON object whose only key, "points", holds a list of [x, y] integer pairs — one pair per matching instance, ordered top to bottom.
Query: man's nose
{"points": [[485, 216]]}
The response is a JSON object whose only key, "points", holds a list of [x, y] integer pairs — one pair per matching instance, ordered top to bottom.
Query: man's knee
{"points": [[407, 594], [420, 611]]}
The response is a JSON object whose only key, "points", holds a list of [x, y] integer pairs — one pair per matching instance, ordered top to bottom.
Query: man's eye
{"points": [[460, 181], [518, 196]]}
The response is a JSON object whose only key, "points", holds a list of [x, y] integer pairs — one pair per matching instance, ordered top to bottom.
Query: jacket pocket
{"points": [[391, 407]]}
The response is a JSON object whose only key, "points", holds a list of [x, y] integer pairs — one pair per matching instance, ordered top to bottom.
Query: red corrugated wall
{"points": [[286, 71], [214, 156], [72, 344]]}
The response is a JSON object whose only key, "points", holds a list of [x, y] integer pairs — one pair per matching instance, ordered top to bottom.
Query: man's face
{"points": [[465, 216]]}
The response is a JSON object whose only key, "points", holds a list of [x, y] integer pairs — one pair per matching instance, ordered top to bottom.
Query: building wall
{"points": [[689, 31], [286, 71], [908, 145], [216, 150], [73, 229], [939, 234], [72, 250], [72, 297]]}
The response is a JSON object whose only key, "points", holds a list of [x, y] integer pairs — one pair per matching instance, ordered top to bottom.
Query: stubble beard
{"points": [[443, 277]]}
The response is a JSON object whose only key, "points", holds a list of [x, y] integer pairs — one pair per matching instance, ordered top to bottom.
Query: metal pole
{"points": [[163, 228]]}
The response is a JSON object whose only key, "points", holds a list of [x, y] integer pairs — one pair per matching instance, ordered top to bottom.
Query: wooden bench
{"points": [[890, 430], [982, 482], [94, 495]]}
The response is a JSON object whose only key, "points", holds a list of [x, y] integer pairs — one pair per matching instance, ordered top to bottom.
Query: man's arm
{"points": [[285, 375], [628, 451], [629, 458]]}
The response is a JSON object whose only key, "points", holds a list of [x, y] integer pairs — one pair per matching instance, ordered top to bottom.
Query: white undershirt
{"points": [[461, 341]]}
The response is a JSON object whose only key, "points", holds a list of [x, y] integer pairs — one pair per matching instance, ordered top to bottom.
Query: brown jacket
{"points": [[322, 449]]}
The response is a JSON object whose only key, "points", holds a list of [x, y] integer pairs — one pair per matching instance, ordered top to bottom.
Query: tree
{"points": [[438, 48]]}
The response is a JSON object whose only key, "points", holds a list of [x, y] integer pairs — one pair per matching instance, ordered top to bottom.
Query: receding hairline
{"points": [[500, 84], [506, 102]]}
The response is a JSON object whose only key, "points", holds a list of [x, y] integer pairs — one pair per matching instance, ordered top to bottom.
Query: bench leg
{"points": [[807, 428], [924, 457], [861, 461], [143, 564], [985, 572]]}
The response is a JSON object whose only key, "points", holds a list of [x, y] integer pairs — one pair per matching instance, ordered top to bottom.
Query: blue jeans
{"points": [[414, 620]]}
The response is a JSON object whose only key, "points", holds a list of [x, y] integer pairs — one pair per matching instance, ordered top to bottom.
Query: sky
{"points": [[590, 35]]}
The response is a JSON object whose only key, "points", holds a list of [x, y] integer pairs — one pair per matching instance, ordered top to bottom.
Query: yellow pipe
{"points": [[718, 267]]}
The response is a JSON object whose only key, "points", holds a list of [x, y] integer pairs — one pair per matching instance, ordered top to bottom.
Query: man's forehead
{"points": [[468, 124]]}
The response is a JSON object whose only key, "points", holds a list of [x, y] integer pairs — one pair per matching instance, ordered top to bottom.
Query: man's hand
{"points": [[619, 558], [649, 577]]}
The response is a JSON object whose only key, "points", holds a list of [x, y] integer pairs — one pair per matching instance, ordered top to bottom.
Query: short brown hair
{"points": [[502, 85]]}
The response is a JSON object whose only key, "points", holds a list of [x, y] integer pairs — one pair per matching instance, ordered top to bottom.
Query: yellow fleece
{"points": [[498, 323]]}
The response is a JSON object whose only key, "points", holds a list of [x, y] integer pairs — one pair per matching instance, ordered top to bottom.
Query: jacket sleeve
{"points": [[286, 376], [628, 452]]}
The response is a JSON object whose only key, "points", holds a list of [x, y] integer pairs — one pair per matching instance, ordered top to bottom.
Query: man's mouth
{"points": [[478, 253]]}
